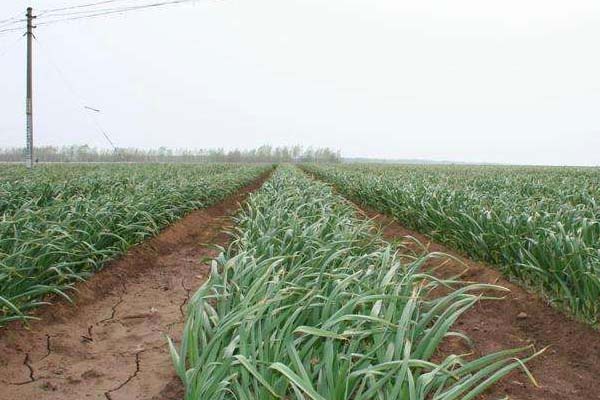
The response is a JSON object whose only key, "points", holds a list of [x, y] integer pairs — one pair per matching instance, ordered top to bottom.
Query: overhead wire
{"points": [[49, 10], [120, 10], [53, 12], [85, 12], [55, 15], [52, 16], [14, 17], [17, 21], [6, 25], [21, 28], [77, 97]]}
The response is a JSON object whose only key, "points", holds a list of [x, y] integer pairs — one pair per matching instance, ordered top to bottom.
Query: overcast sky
{"points": [[514, 81]]}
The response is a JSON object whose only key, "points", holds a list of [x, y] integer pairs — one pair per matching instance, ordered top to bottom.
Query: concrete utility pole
{"points": [[29, 100]]}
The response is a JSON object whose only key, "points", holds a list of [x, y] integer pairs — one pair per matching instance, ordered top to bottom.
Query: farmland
{"points": [[62, 223], [540, 226], [305, 296], [311, 303]]}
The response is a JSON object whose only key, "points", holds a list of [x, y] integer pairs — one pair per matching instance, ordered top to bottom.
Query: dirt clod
{"points": [[522, 315], [91, 374]]}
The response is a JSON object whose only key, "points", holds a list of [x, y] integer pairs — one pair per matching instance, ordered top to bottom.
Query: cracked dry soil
{"points": [[111, 343]]}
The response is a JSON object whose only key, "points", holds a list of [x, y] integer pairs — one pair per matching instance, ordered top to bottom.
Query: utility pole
{"points": [[29, 100]]}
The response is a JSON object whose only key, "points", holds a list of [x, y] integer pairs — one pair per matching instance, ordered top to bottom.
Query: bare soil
{"points": [[111, 344], [568, 369]]}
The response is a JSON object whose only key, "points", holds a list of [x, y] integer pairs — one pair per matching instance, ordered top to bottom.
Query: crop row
{"points": [[49, 184], [61, 223], [539, 225], [308, 302]]}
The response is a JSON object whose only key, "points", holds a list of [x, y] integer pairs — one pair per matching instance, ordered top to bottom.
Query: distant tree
{"points": [[262, 154]]}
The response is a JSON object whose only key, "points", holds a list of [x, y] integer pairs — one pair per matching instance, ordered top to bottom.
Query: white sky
{"points": [[515, 81]]}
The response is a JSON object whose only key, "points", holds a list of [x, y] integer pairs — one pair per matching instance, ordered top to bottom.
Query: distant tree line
{"points": [[85, 153]]}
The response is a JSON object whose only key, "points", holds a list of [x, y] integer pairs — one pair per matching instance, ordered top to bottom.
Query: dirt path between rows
{"points": [[111, 344], [568, 370]]}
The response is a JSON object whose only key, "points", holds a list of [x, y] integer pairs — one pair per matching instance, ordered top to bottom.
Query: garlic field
{"points": [[61, 223], [539, 225], [298, 282], [308, 302]]}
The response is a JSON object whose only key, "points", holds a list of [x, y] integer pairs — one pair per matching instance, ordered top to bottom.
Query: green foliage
{"points": [[262, 154], [61, 223], [540, 225], [309, 303]]}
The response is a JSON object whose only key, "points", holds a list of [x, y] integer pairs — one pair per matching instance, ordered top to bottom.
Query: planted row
{"points": [[48, 184], [60, 224], [539, 225], [308, 302]]}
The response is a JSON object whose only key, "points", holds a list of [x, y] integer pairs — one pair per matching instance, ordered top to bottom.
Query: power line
{"points": [[50, 10], [121, 10], [89, 12], [98, 13], [52, 15], [14, 17], [51, 18], [7, 20], [13, 22], [5, 24], [11, 30], [77, 97], [105, 134]]}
